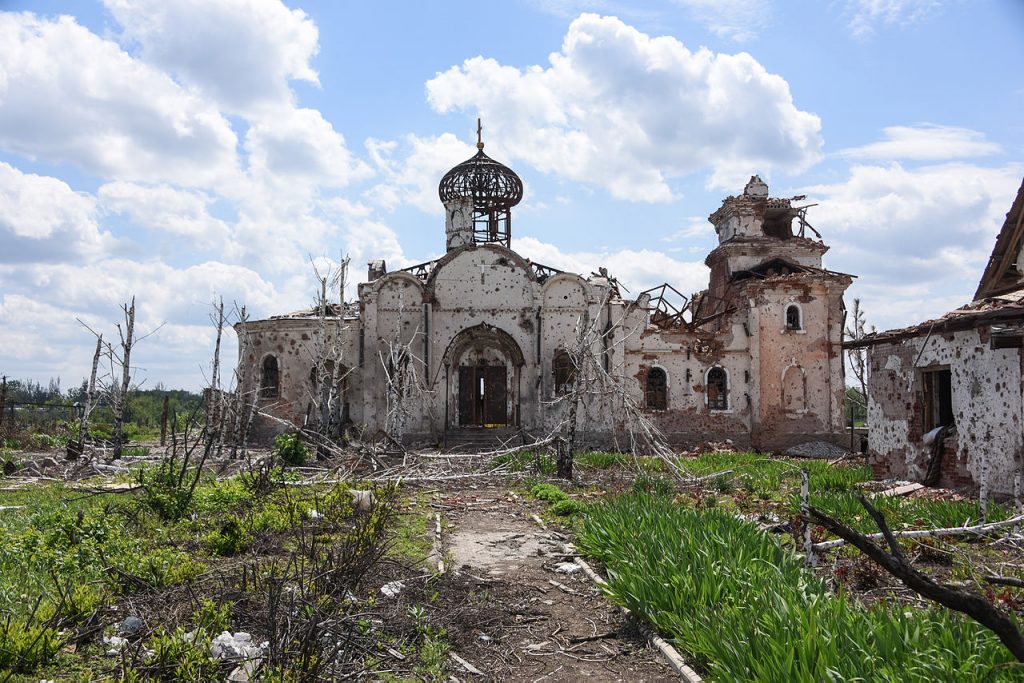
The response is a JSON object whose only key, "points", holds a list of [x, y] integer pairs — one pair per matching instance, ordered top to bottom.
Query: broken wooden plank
{"points": [[901, 490], [930, 533], [675, 660], [466, 665]]}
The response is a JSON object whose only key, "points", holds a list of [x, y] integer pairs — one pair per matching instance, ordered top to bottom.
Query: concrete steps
{"points": [[477, 439]]}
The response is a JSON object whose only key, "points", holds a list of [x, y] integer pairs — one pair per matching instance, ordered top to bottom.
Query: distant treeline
{"points": [[144, 405]]}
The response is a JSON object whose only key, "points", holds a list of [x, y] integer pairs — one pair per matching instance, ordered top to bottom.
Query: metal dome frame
{"points": [[491, 185], [494, 189]]}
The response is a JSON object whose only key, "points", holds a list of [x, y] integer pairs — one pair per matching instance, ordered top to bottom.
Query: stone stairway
{"points": [[478, 439]]}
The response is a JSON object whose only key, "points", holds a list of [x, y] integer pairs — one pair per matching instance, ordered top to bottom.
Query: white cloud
{"points": [[866, 15], [738, 20], [241, 53], [68, 95], [625, 111], [928, 142], [299, 145], [413, 179], [176, 212], [43, 219], [920, 234], [636, 269]]}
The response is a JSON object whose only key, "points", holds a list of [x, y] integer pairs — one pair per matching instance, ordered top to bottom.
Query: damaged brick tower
{"points": [[791, 310]]}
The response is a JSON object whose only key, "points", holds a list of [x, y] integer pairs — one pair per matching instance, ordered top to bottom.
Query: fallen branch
{"points": [[976, 530], [1005, 581], [969, 603]]}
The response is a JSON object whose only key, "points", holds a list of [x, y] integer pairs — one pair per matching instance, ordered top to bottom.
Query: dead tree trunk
{"points": [[3, 401], [121, 406], [163, 420], [75, 450], [972, 604]]}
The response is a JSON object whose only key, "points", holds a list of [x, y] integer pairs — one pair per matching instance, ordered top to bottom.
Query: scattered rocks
{"points": [[567, 568], [392, 589], [130, 627], [116, 644], [239, 645]]}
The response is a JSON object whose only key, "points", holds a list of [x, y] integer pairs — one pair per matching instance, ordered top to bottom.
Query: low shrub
{"points": [[290, 449], [549, 493], [567, 508], [26, 645]]}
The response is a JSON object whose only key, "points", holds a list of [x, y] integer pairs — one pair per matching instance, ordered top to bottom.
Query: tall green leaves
{"points": [[743, 608]]}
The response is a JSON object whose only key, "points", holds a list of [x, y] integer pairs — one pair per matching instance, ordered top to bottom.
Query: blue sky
{"points": [[184, 150]]}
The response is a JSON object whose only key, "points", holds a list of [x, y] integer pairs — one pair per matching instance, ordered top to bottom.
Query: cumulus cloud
{"points": [[867, 15], [241, 53], [68, 95], [627, 112], [926, 141], [300, 145], [413, 177], [177, 213], [43, 219], [914, 234], [637, 269]]}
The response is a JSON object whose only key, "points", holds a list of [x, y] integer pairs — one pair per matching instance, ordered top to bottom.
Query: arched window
{"points": [[793, 321], [564, 371], [270, 382], [657, 389], [718, 389], [794, 389]]}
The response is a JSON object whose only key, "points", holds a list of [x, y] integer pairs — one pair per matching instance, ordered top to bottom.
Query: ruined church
{"points": [[482, 344]]}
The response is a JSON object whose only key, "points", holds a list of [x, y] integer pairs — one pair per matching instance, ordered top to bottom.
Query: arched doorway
{"points": [[483, 366]]}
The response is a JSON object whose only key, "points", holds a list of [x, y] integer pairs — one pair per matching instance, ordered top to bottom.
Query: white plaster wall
{"points": [[986, 395]]}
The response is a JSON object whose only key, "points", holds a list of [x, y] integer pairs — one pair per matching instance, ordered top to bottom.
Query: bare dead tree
{"points": [[858, 358], [404, 373], [597, 381], [119, 397], [326, 415], [76, 449], [972, 604]]}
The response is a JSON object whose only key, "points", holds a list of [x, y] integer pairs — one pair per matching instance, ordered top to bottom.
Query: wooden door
{"points": [[483, 396], [495, 398]]}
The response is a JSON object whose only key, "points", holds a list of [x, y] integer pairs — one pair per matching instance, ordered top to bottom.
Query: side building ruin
{"points": [[478, 344], [946, 396]]}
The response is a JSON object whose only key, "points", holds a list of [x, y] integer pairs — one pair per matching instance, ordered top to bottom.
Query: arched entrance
{"points": [[483, 365]]}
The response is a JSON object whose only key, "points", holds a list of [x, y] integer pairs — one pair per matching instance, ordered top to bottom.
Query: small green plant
{"points": [[290, 449], [654, 485], [549, 493], [567, 508], [230, 539], [213, 617], [26, 645], [180, 658]]}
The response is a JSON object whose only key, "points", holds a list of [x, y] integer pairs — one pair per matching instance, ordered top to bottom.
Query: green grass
{"points": [[82, 551], [743, 608]]}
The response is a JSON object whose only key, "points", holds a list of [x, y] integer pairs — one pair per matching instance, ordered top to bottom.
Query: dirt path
{"points": [[513, 623]]}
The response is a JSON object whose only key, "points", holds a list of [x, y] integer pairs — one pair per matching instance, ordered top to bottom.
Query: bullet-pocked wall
{"points": [[479, 339]]}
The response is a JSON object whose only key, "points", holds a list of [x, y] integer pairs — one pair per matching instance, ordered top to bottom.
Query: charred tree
{"points": [[972, 604]]}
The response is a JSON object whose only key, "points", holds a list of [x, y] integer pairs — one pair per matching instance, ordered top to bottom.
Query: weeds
{"points": [[290, 449], [743, 608]]}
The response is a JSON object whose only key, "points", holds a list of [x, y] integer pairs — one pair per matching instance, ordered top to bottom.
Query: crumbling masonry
{"points": [[755, 358]]}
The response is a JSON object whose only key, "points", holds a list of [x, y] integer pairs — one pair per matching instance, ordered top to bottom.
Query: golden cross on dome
{"points": [[479, 134]]}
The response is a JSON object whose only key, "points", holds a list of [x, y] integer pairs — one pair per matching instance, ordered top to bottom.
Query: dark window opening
{"points": [[778, 224], [793, 318], [564, 371], [270, 382], [657, 389], [718, 389], [938, 399]]}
